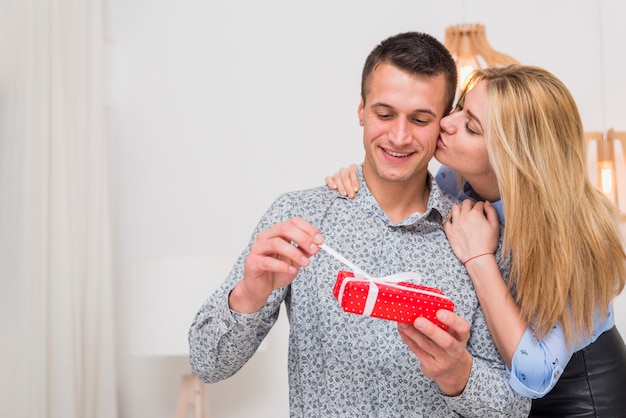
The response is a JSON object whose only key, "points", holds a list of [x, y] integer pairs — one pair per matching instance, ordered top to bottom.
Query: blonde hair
{"points": [[563, 236]]}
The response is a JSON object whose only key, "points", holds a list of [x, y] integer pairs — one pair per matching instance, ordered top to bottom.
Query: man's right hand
{"points": [[273, 262]]}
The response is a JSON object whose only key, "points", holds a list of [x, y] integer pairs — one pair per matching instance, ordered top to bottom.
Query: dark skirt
{"points": [[593, 383]]}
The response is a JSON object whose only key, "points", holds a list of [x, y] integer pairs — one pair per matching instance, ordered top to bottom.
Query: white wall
{"points": [[217, 107]]}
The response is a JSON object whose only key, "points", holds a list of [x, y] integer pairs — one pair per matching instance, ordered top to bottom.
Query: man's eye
{"points": [[384, 116], [420, 121]]}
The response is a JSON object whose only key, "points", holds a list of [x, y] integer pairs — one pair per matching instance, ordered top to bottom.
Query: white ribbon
{"points": [[353, 267], [390, 281]]}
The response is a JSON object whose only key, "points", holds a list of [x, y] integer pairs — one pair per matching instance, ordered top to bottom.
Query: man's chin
{"points": [[401, 177]]}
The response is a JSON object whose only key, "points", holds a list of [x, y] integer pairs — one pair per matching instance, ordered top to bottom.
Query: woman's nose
{"points": [[447, 124]]}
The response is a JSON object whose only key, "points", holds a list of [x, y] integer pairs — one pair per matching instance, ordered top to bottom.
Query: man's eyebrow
{"points": [[380, 104], [428, 111]]}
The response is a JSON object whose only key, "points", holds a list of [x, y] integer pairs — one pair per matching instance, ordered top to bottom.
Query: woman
{"points": [[516, 138]]}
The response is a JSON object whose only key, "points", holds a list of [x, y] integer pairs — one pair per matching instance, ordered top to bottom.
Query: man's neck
{"points": [[399, 200]]}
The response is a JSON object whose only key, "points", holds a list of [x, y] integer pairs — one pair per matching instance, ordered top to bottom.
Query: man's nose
{"points": [[400, 132]]}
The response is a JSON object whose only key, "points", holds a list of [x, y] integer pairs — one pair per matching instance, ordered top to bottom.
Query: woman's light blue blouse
{"points": [[537, 364]]}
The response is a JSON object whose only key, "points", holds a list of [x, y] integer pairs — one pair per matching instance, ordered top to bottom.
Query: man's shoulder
{"points": [[313, 195], [442, 200], [310, 204]]}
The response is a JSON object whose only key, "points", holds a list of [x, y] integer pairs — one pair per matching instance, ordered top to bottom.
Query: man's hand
{"points": [[273, 262], [443, 354]]}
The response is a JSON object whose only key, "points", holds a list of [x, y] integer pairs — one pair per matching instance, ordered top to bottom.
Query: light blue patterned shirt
{"points": [[537, 364], [347, 365]]}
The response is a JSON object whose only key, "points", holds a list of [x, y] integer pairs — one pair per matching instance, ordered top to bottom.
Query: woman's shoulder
{"points": [[447, 180]]}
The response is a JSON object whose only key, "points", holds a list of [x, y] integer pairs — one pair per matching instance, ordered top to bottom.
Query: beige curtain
{"points": [[57, 345]]}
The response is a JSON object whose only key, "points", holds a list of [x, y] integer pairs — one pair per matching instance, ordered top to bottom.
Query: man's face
{"points": [[400, 119]]}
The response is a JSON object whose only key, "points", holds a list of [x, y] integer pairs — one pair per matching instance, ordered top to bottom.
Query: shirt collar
{"points": [[439, 203]]}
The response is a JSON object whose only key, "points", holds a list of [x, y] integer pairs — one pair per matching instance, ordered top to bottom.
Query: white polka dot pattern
{"points": [[401, 302]]}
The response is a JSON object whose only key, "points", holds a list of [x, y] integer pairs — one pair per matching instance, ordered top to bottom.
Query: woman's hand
{"points": [[345, 181], [472, 229]]}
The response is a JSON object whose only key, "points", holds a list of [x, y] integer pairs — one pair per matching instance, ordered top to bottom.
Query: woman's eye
{"points": [[470, 130]]}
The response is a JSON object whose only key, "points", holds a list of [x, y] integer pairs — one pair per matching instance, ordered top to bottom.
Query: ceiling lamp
{"points": [[470, 49], [606, 151], [606, 163]]}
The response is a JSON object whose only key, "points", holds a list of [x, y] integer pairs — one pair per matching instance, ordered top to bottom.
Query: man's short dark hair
{"points": [[417, 53]]}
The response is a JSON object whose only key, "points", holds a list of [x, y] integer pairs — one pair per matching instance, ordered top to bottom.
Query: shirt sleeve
{"points": [[447, 181], [221, 341], [537, 365], [487, 392], [482, 398]]}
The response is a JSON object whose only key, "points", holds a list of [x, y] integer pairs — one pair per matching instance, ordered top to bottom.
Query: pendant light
{"points": [[470, 49]]}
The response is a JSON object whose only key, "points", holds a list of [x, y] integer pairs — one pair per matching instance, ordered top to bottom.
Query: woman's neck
{"points": [[485, 187]]}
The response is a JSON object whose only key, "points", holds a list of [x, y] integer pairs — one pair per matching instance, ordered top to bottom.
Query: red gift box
{"points": [[401, 301]]}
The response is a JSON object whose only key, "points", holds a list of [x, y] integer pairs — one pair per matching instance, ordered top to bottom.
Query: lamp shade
{"points": [[470, 49], [619, 147], [606, 164], [165, 296]]}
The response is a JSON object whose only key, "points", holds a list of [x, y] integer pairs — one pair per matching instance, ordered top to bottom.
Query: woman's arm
{"points": [[473, 230], [535, 365]]}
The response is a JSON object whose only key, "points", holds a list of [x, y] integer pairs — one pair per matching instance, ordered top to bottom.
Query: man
{"points": [[346, 365]]}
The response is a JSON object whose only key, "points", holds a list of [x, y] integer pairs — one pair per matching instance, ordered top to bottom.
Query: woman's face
{"points": [[461, 145]]}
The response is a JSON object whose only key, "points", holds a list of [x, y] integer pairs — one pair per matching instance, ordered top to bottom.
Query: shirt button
{"points": [[239, 327], [386, 371], [557, 374]]}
